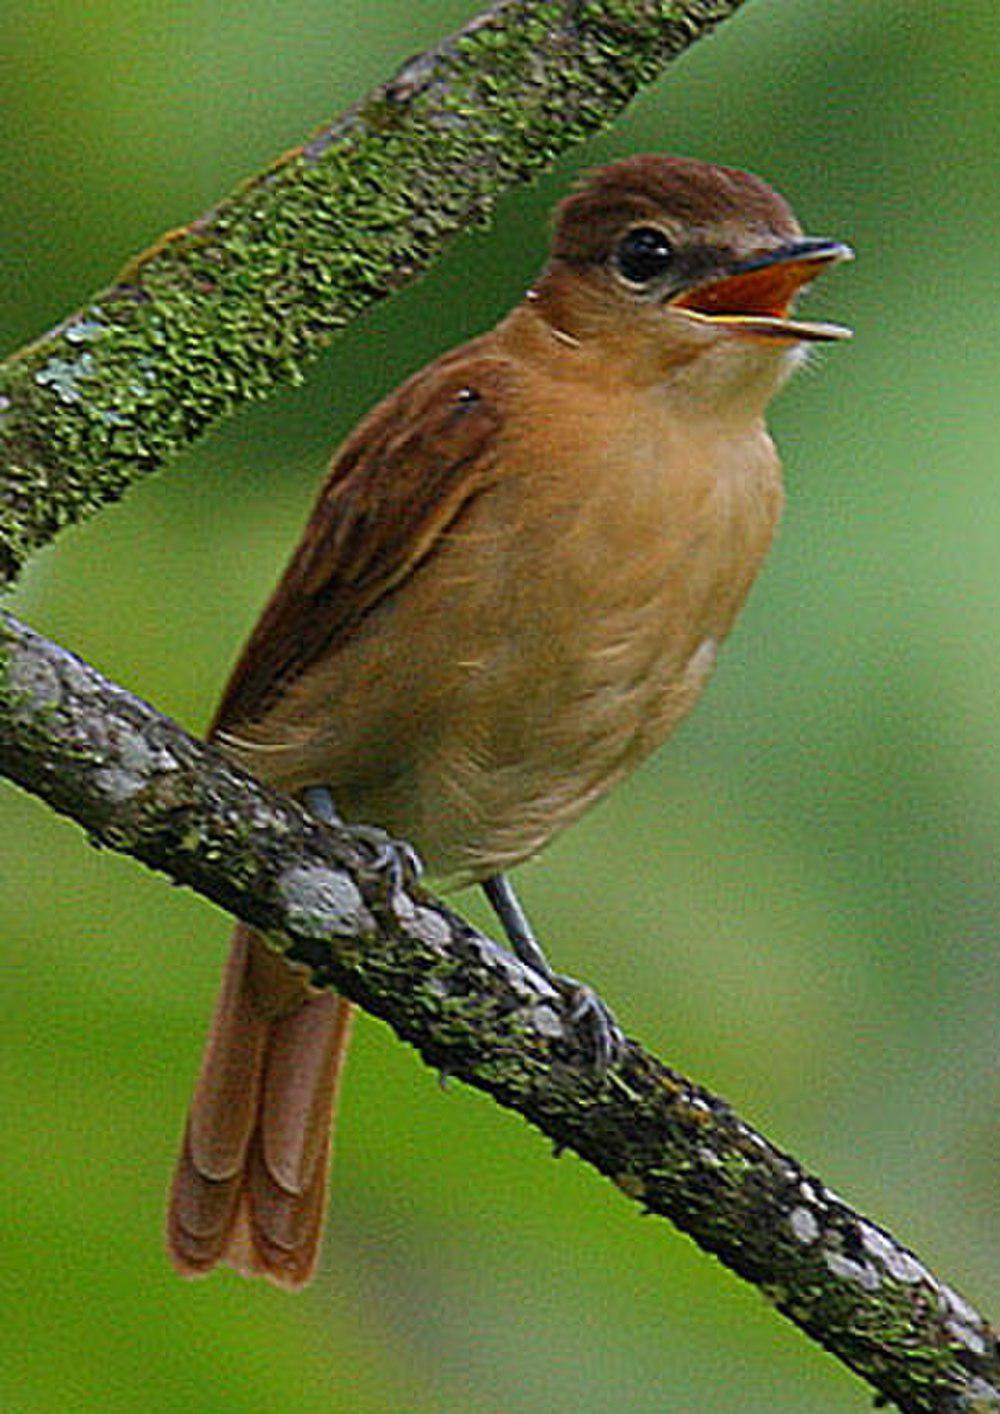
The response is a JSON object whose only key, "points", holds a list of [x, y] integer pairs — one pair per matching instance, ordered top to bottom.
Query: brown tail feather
{"points": [[250, 1185]]}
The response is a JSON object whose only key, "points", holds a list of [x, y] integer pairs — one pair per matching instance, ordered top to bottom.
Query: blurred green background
{"points": [[798, 901]]}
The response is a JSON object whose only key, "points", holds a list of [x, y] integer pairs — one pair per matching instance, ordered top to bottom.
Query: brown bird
{"points": [[513, 586]]}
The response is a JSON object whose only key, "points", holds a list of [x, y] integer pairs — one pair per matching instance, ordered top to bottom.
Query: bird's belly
{"points": [[601, 647], [578, 669], [503, 786]]}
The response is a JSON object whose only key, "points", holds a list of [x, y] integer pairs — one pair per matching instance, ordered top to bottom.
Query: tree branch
{"points": [[221, 310], [139, 784]]}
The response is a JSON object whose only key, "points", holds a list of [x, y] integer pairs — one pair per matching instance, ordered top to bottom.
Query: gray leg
{"points": [[319, 802], [507, 907], [587, 1012]]}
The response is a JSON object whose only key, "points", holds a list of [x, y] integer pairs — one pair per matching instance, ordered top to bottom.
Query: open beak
{"points": [[756, 296]]}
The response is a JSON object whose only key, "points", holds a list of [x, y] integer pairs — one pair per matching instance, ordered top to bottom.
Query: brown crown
{"points": [[701, 197]]}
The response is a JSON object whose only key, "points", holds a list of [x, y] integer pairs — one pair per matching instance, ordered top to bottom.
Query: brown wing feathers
{"points": [[394, 487]]}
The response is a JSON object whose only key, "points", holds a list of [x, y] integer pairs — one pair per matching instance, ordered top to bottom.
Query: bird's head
{"points": [[680, 265]]}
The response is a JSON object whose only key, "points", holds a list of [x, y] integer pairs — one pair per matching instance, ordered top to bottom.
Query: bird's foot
{"points": [[398, 862], [591, 1022], [596, 1030]]}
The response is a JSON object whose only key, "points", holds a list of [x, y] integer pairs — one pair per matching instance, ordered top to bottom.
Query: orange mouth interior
{"points": [[767, 291]]}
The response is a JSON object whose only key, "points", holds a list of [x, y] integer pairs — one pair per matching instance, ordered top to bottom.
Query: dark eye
{"points": [[643, 254]]}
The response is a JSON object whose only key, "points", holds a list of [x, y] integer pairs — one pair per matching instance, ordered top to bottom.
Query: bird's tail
{"points": [[249, 1189]]}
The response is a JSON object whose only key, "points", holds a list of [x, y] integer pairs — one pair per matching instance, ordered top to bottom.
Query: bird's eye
{"points": [[643, 255]]}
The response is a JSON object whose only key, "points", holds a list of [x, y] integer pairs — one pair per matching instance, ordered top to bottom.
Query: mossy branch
{"points": [[221, 310], [139, 784]]}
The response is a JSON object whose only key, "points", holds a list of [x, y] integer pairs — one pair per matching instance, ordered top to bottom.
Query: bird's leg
{"points": [[319, 802], [398, 860], [507, 907], [586, 1010]]}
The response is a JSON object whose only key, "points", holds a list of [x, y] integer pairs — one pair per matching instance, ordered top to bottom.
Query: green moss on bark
{"points": [[222, 310]]}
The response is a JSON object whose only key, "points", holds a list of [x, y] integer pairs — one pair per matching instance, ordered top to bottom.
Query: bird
{"points": [[512, 587]]}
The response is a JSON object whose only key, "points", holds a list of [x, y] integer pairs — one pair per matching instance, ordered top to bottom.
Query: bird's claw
{"points": [[396, 860], [592, 1023]]}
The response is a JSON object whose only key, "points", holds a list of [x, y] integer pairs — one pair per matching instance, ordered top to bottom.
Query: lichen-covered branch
{"points": [[221, 310], [139, 784]]}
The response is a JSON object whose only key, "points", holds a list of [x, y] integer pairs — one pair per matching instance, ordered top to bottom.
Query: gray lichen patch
{"points": [[84, 330], [64, 376], [32, 684], [137, 753], [133, 765], [117, 784], [322, 903], [422, 923], [430, 929], [520, 978], [547, 1022], [804, 1225], [901, 1265], [863, 1274], [956, 1305], [962, 1321], [968, 1336], [984, 1397]]}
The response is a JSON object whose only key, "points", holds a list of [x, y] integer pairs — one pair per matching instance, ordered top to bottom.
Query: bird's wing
{"points": [[398, 482]]}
